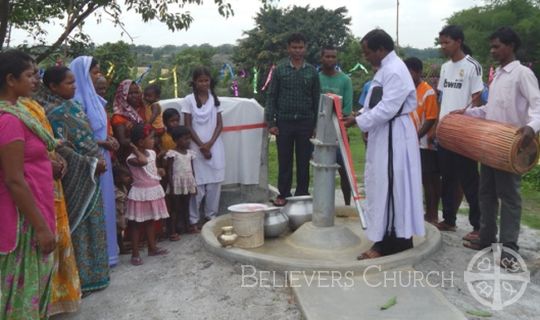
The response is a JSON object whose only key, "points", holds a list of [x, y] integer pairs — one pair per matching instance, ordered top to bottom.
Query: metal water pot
{"points": [[299, 210], [275, 222]]}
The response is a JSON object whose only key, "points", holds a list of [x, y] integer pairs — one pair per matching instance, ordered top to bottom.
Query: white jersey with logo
{"points": [[458, 82]]}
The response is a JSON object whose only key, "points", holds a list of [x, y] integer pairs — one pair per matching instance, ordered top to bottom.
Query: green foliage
{"points": [[33, 16], [479, 22], [266, 43], [422, 54], [119, 55], [348, 56], [532, 179]]}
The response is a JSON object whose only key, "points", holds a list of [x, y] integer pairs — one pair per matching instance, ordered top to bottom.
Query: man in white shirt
{"points": [[460, 84], [514, 98], [393, 192]]}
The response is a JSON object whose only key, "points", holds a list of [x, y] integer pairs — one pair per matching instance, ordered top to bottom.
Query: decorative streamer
{"points": [[359, 66], [110, 71], [222, 71], [242, 73], [491, 74], [269, 78], [158, 79], [175, 79], [255, 79], [139, 80], [235, 87]]}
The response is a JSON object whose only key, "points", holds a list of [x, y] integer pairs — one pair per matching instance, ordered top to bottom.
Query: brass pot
{"points": [[227, 236]]}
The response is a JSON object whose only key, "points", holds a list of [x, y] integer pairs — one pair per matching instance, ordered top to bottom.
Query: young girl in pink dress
{"points": [[182, 182], [146, 198]]}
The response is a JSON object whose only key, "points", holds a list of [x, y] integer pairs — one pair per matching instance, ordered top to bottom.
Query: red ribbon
{"points": [[339, 112], [244, 127]]}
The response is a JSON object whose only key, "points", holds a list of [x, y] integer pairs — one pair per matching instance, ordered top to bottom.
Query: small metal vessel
{"points": [[299, 210], [275, 222]]}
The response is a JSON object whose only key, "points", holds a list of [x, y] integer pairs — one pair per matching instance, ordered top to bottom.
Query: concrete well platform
{"points": [[289, 254]]}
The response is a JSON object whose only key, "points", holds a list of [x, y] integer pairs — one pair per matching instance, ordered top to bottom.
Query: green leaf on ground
{"points": [[389, 304], [480, 313]]}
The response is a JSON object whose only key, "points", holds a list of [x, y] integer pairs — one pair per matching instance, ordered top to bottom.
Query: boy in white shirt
{"points": [[460, 84]]}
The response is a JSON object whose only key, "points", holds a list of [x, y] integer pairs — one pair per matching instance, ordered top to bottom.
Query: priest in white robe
{"points": [[394, 209]]}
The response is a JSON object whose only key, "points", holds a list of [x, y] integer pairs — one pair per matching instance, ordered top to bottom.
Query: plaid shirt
{"points": [[293, 94]]}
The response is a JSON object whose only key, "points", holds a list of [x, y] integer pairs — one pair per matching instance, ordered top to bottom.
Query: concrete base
{"points": [[309, 236], [283, 254], [326, 296]]}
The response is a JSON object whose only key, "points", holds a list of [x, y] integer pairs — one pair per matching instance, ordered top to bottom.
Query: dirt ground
{"points": [[191, 283]]}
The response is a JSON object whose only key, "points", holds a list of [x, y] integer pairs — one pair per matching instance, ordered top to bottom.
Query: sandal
{"points": [[279, 202], [443, 226], [194, 229], [472, 236], [174, 237], [474, 245], [158, 252], [370, 254], [136, 261]]}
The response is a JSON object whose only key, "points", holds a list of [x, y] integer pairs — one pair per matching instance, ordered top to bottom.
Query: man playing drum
{"points": [[514, 98]]}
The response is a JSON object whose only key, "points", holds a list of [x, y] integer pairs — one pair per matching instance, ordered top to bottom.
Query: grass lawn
{"points": [[358, 154], [531, 198]]}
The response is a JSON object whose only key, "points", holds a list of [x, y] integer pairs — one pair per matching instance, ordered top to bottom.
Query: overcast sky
{"points": [[419, 22]]}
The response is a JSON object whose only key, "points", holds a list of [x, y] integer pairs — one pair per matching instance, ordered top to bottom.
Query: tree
{"points": [[31, 16], [479, 22], [265, 44], [119, 58]]}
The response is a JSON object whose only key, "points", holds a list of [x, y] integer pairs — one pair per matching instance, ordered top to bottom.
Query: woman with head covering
{"points": [[86, 71], [128, 110]]}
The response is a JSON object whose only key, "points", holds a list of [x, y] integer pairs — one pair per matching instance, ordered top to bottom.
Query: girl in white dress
{"points": [[202, 115], [181, 181]]}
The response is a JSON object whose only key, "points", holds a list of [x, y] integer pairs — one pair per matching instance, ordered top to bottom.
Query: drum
{"points": [[492, 143]]}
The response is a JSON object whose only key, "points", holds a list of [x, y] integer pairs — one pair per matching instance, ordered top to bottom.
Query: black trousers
{"points": [[293, 142], [458, 170]]}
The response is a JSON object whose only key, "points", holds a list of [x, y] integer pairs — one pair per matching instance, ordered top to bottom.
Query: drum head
{"points": [[526, 158]]}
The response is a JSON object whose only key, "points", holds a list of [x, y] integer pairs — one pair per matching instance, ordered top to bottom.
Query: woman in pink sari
{"points": [[27, 231]]}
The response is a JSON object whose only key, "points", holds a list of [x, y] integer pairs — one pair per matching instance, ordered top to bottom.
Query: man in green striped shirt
{"points": [[337, 82], [291, 114]]}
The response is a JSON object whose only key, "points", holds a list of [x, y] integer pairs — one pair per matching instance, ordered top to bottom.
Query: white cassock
{"points": [[398, 90]]}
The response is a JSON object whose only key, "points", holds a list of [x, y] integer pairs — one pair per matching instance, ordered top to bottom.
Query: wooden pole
{"points": [[397, 24]]}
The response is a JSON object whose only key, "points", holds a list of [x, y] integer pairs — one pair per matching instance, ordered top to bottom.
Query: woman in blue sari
{"points": [[86, 71]]}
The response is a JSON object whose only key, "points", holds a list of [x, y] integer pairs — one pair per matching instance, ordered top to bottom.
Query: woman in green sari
{"points": [[81, 182], [27, 231]]}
